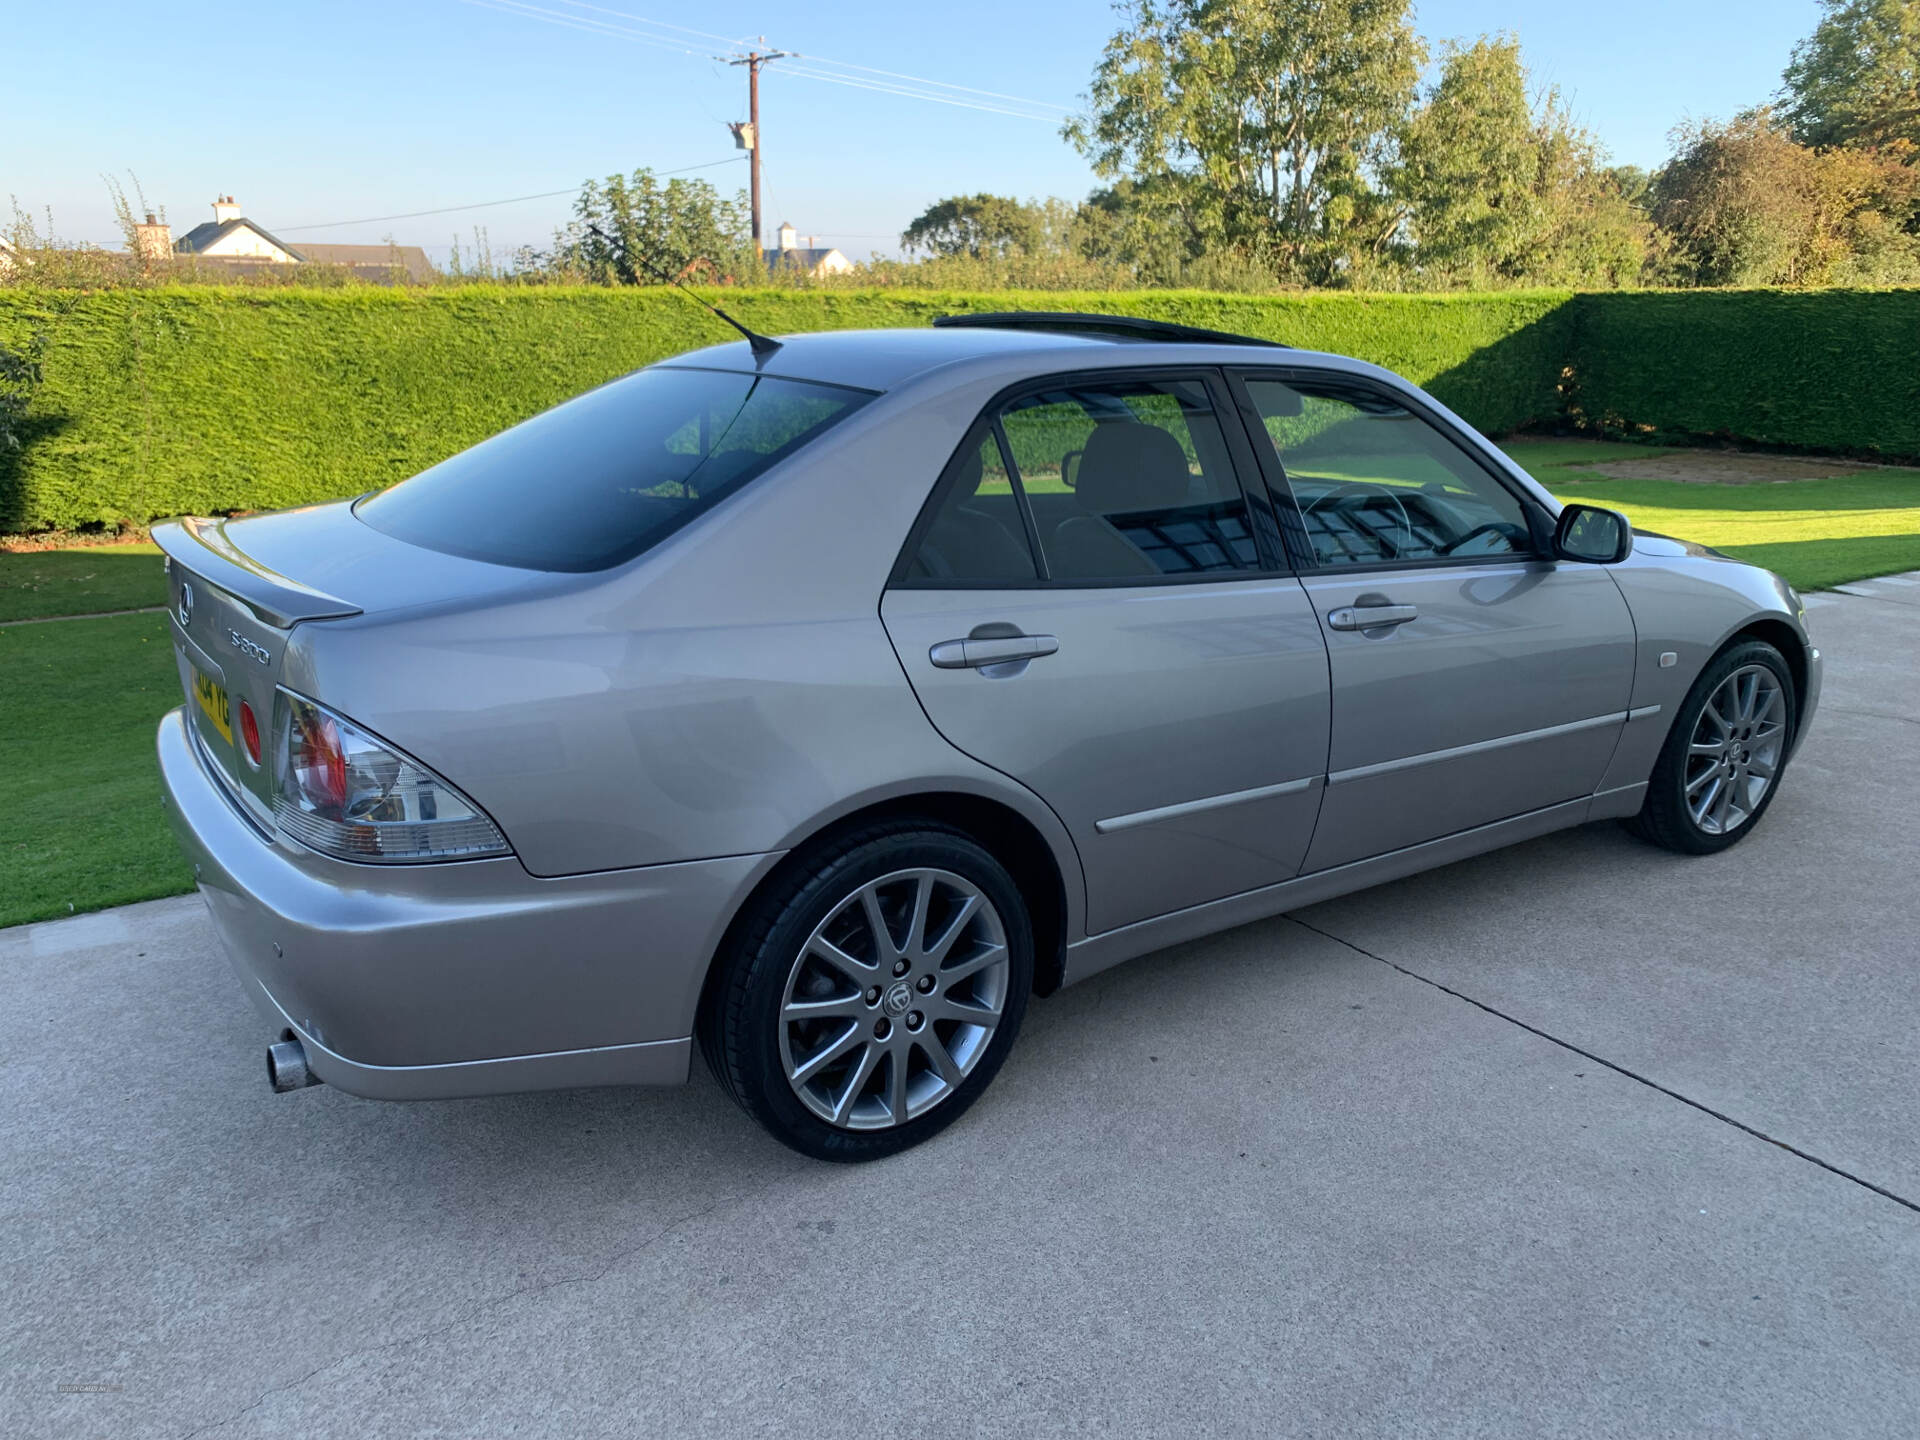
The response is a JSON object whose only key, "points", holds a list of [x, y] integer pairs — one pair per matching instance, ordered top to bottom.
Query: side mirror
{"points": [[1593, 536]]}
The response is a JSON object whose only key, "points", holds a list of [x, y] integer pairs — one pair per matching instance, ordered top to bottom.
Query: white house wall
{"points": [[245, 244]]}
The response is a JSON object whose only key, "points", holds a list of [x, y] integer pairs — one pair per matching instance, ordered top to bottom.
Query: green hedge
{"points": [[1834, 370], [159, 402]]}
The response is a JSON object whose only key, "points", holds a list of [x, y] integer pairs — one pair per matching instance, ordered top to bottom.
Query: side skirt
{"points": [[1101, 952]]}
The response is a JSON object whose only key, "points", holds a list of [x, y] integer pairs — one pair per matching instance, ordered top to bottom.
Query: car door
{"points": [[1094, 606], [1474, 678]]}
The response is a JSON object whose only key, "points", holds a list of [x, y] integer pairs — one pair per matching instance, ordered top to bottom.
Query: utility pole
{"points": [[747, 136]]}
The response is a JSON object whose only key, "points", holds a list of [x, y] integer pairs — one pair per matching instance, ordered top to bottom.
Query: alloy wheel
{"points": [[1735, 750], [894, 999]]}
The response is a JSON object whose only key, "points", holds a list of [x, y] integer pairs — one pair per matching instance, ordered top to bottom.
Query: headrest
{"points": [[1128, 465]]}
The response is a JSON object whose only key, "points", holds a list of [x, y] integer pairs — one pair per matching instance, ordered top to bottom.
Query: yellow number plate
{"points": [[212, 699]]}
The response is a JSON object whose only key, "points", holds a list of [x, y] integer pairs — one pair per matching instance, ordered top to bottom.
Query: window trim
{"points": [[1242, 461], [1293, 520]]}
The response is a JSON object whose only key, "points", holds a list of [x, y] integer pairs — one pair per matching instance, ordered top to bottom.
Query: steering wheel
{"points": [[1366, 491], [1502, 528]]}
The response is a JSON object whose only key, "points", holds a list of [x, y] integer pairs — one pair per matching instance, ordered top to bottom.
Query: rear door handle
{"points": [[1371, 617], [999, 650]]}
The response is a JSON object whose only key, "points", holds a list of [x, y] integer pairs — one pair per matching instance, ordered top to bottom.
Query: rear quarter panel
{"points": [[726, 694]]}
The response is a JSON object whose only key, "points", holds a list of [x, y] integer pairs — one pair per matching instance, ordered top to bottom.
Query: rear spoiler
{"points": [[202, 546]]}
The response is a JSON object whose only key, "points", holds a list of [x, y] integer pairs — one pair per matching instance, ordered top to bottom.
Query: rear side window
{"points": [[1129, 480], [596, 481], [977, 534]]}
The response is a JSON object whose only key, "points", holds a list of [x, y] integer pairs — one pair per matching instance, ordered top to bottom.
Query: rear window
{"points": [[597, 480]]}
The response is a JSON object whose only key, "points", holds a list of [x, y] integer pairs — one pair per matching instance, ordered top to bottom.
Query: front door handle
{"points": [[1371, 617], [972, 654]]}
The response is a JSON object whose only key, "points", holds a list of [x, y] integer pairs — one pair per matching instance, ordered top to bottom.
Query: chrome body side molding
{"points": [[1478, 747], [1210, 802]]}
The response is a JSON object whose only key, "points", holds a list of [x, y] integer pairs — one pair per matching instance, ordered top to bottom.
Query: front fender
{"points": [[1687, 603]]}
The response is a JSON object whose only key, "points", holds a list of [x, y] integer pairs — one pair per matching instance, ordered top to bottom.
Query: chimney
{"points": [[224, 209], [153, 239], [788, 240]]}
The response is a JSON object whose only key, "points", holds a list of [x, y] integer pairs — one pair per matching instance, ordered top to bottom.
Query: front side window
{"points": [[1129, 480], [596, 481], [1375, 483]]}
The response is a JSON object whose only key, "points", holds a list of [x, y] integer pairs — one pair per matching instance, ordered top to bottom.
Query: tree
{"points": [[1856, 80], [1255, 124], [1470, 161], [1495, 189], [1746, 205], [1136, 225], [982, 227], [1593, 227], [629, 229]]}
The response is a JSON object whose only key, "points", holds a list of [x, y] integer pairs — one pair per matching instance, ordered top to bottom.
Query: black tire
{"points": [[1665, 819], [740, 1026]]}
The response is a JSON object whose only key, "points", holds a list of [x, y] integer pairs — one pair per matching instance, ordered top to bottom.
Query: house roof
{"points": [[205, 234], [799, 256], [410, 258]]}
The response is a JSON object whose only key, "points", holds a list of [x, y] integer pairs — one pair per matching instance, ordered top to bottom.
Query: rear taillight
{"points": [[250, 732], [346, 794]]}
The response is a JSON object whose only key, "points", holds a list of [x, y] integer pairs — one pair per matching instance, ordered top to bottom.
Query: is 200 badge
{"points": [[249, 647]]}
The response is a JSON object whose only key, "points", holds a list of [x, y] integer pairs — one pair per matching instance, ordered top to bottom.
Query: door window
{"points": [[1129, 480], [1376, 484], [977, 534]]}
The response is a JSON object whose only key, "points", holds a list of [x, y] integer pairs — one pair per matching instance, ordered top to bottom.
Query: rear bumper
{"points": [[466, 978]]}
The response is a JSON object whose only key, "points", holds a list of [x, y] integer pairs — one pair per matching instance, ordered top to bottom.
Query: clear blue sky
{"points": [[318, 113]]}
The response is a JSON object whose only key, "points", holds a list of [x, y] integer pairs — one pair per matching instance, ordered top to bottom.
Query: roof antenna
{"points": [[762, 345]]}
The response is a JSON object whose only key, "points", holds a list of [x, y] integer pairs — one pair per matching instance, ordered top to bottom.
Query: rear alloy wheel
{"points": [[1722, 760], [874, 992], [894, 999]]}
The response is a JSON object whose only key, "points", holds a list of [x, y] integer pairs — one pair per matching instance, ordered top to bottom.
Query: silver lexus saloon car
{"points": [[820, 700]]}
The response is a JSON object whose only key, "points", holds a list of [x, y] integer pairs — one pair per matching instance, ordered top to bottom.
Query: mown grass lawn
{"points": [[1817, 533], [39, 583], [79, 787], [80, 795]]}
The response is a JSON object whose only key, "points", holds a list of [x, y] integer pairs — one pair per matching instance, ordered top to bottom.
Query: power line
{"points": [[578, 22], [661, 24], [822, 60], [890, 82], [943, 84], [883, 88], [485, 204]]}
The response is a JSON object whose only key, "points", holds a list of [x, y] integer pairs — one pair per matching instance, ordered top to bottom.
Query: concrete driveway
{"points": [[1577, 1139]]}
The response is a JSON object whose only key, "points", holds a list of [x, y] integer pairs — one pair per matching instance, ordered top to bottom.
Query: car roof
{"points": [[888, 359]]}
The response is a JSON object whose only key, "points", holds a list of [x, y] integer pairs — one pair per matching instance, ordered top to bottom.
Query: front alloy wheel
{"points": [[1736, 750], [1721, 764], [869, 994]]}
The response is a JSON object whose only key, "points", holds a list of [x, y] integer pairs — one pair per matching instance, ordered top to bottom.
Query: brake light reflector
{"points": [[250, 732], [315, 763], [338, 790]]}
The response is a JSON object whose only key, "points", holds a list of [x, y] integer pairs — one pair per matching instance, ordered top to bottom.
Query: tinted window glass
{"points": [[597, 480], [1129, 480], [1376, 483], [977, 533]]}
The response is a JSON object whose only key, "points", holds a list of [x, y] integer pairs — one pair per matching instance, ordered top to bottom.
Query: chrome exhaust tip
{"points": [[287, 1067]]}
